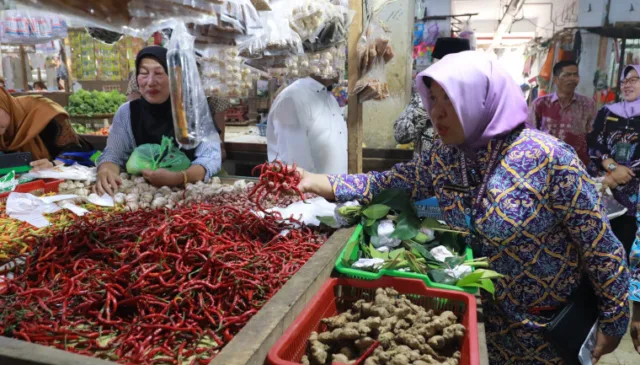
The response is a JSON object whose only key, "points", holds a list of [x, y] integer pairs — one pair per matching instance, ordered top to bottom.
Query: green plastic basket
{"points": [[366, 275]]}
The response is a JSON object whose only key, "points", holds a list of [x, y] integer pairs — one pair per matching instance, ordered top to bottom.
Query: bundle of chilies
{"points": [[275, 178], [153, 287]]}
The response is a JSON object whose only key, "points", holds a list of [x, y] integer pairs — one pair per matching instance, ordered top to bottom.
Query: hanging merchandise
{"points": [[261, 5], [320, 24], [30, 27], [418, 33], [468, 33], [104, 35], [276, 39], [374, 52], [328, 64], [224, 74], [191, 114]]}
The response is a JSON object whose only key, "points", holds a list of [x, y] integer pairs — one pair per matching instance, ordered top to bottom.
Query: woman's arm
{"points": [[120, 145], [598, 151], [413, 176], [576, 200]]}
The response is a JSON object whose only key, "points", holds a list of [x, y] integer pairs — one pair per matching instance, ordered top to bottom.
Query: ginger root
{"points": [[407, 334]]}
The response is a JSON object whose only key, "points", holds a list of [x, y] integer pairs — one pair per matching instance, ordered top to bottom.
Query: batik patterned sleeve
{"points": [[413, 176], [576, 200], [634, 264]]}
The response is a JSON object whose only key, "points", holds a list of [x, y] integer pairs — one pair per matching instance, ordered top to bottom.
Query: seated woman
{"points": [[147, 120], [37, 125], [614, 147]]}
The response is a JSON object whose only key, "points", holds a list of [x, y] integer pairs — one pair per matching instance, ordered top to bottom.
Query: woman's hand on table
{"points": [[39, 165], [162, 177], [108, 179], [315, 184]]}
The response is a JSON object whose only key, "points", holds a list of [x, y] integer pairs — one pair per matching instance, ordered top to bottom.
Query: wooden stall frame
{"points": [[354, 117]]}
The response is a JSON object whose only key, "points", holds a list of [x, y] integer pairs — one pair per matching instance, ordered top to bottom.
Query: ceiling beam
{"points": [[507, 20]]}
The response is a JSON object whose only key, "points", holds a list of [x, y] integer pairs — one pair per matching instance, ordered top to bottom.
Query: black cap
{"points": [[448, 45], [156, 52]]}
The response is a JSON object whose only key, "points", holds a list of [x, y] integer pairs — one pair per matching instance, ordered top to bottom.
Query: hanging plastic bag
{"points": [[468, 33], [276, 39], [375, 52], [191, 114], [153, 157]]}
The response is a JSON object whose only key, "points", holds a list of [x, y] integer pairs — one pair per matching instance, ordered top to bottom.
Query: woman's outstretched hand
{"points": [[315, 184]]}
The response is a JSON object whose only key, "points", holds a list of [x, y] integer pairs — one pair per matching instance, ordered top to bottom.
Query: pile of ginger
{"points": [[407, 333]]}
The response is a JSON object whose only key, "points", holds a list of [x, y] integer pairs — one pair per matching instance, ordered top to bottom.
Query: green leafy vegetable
{"points": [[376, 211]]}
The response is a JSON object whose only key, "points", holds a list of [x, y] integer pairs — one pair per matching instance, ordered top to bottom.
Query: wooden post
{"points": [[23, 61], [354, 118]]}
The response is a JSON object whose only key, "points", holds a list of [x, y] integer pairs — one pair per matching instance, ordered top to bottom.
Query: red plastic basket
{"points": [[36, 187], [337, 295]]}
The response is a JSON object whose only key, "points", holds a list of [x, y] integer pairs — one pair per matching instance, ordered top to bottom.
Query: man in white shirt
{"points": [[305, 126]]}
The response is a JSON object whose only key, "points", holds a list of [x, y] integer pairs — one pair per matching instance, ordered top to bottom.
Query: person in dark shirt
{"points": [[37, 125]]}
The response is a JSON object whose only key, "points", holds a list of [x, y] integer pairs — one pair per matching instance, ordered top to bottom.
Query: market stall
{"points": [[204, 273]]}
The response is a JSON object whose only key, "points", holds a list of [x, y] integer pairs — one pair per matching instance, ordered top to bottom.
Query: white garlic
{"points": [[82, 192], [119, 198], [132, 198], [146, 198], [159, 203], [132, 207]]}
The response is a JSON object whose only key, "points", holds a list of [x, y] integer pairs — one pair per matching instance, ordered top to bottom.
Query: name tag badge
{"points": [[612, 119], [457, 188]]}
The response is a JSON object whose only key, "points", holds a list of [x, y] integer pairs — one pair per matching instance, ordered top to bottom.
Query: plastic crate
{"points": [[262, 129], [36, 187], [366, 275], [337, 295]]}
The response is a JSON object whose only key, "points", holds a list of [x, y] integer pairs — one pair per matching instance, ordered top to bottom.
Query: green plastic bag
{"points": [[152, 157]]}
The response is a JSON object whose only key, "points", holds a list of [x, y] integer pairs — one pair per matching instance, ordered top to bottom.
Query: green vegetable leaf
{"points": [[376, 211], [328, 220], [368, 222], [406, 227], [372, 230], [452, 241], [395, 253], [375, 254], [347, 258], [454, 261], [414, 265], [438, 275], [472, 278], [485, 284]]}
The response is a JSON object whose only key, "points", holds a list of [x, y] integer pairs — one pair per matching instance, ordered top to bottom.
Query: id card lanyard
{"points": [[470, 213]]}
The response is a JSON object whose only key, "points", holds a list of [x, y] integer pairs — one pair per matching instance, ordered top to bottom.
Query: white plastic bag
{"points": [[276, 39], [375, 52], [224, 74], [191, 114]]}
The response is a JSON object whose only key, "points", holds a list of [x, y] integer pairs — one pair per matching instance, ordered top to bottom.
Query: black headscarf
{"points": [[448, 45], [151, 122]]}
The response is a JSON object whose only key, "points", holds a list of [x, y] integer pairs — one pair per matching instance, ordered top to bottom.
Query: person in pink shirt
{"points": [[565, 114]]}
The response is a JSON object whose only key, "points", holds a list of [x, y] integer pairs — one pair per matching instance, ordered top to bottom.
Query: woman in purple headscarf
{"points": [[614, 147], [524, 200]]}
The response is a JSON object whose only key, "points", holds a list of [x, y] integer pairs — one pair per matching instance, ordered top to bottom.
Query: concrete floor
{"points": [[624, 355]]}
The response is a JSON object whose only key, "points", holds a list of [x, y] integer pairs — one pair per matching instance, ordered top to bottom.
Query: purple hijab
{"points": [[487, 100], [627, 109]]}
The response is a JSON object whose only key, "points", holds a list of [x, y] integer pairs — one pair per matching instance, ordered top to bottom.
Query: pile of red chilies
{"points": [[275, 178], [152, 287]]}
